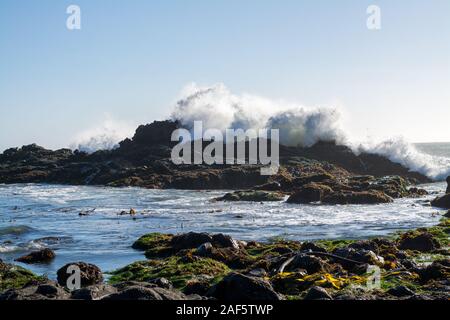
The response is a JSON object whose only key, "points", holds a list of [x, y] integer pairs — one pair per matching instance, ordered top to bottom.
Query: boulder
{"points": [[312, 192], [364, 197], [442, 202], [447, 215], [190, 240], [419, 241], [41, 256], [306, 262], [438, 270], [90, 274], [240, 287], [36, 290], [400, 291], [138, 292], [317, 293]]}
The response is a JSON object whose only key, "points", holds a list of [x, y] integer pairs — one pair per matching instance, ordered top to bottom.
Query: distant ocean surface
{"points": [[440, 149]]}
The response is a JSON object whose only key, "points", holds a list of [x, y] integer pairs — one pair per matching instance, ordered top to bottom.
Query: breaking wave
{"points": [[218, 108], [298, 125], [105, 137]]}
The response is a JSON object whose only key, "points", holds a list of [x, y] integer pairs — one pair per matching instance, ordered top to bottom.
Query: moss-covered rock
{"points": [[253, 196], [178, 270], [14, 277]]}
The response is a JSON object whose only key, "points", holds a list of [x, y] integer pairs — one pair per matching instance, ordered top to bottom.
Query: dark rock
{"points": [[448, 185], [312, 192], [365, 197], [442, 202], [447, 215], [190, 240], [224, 241], [419, 241], [310, 246], [205, 249], [41, 256], [309, 263], [438, 270], [89, 273], [162, 283], [237, 286], [197, 287], [47, 289], [36, 290], [400, 291], [95, 292], [145, 293], [317, 293]]}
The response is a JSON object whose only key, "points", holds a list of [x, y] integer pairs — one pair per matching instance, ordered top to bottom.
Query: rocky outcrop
{"points": [[144, 161], [312, 192], [252, 196], [364, 197], [442, 202], [420, 241], [41, 256], [215, 266], [89, 274], [239, 287]]}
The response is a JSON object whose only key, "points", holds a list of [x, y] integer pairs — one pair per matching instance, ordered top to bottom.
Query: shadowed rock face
{"points": [[144, 161], [448, 185]]}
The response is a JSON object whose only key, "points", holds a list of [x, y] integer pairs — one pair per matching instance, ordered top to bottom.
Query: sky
{"points": [[131, 59]]}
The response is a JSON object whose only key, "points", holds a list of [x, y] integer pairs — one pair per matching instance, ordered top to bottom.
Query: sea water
{"points": [[35, 216]]}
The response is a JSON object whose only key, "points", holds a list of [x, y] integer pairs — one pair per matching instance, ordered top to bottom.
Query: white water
{"points": [[37, 216]]}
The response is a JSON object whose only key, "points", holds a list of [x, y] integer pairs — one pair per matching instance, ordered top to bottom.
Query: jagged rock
{"points": [[312, 192], [365, 197], [442, 202], [447, 215], [419, 241], [41, 256], [438, 270], [89, 273], [237, 286], [400, 291], [317, 293]]}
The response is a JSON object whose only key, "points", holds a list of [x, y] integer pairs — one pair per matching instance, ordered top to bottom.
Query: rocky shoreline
{"points": [[201, 266]]}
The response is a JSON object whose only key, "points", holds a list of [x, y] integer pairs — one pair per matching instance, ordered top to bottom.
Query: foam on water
{"points": [[50, 216]]}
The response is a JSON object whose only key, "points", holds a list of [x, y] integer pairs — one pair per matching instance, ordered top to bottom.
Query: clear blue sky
{"points": [[131, 58]]}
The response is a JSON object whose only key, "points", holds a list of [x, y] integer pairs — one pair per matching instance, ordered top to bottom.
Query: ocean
{"points": [[34, 216]]}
